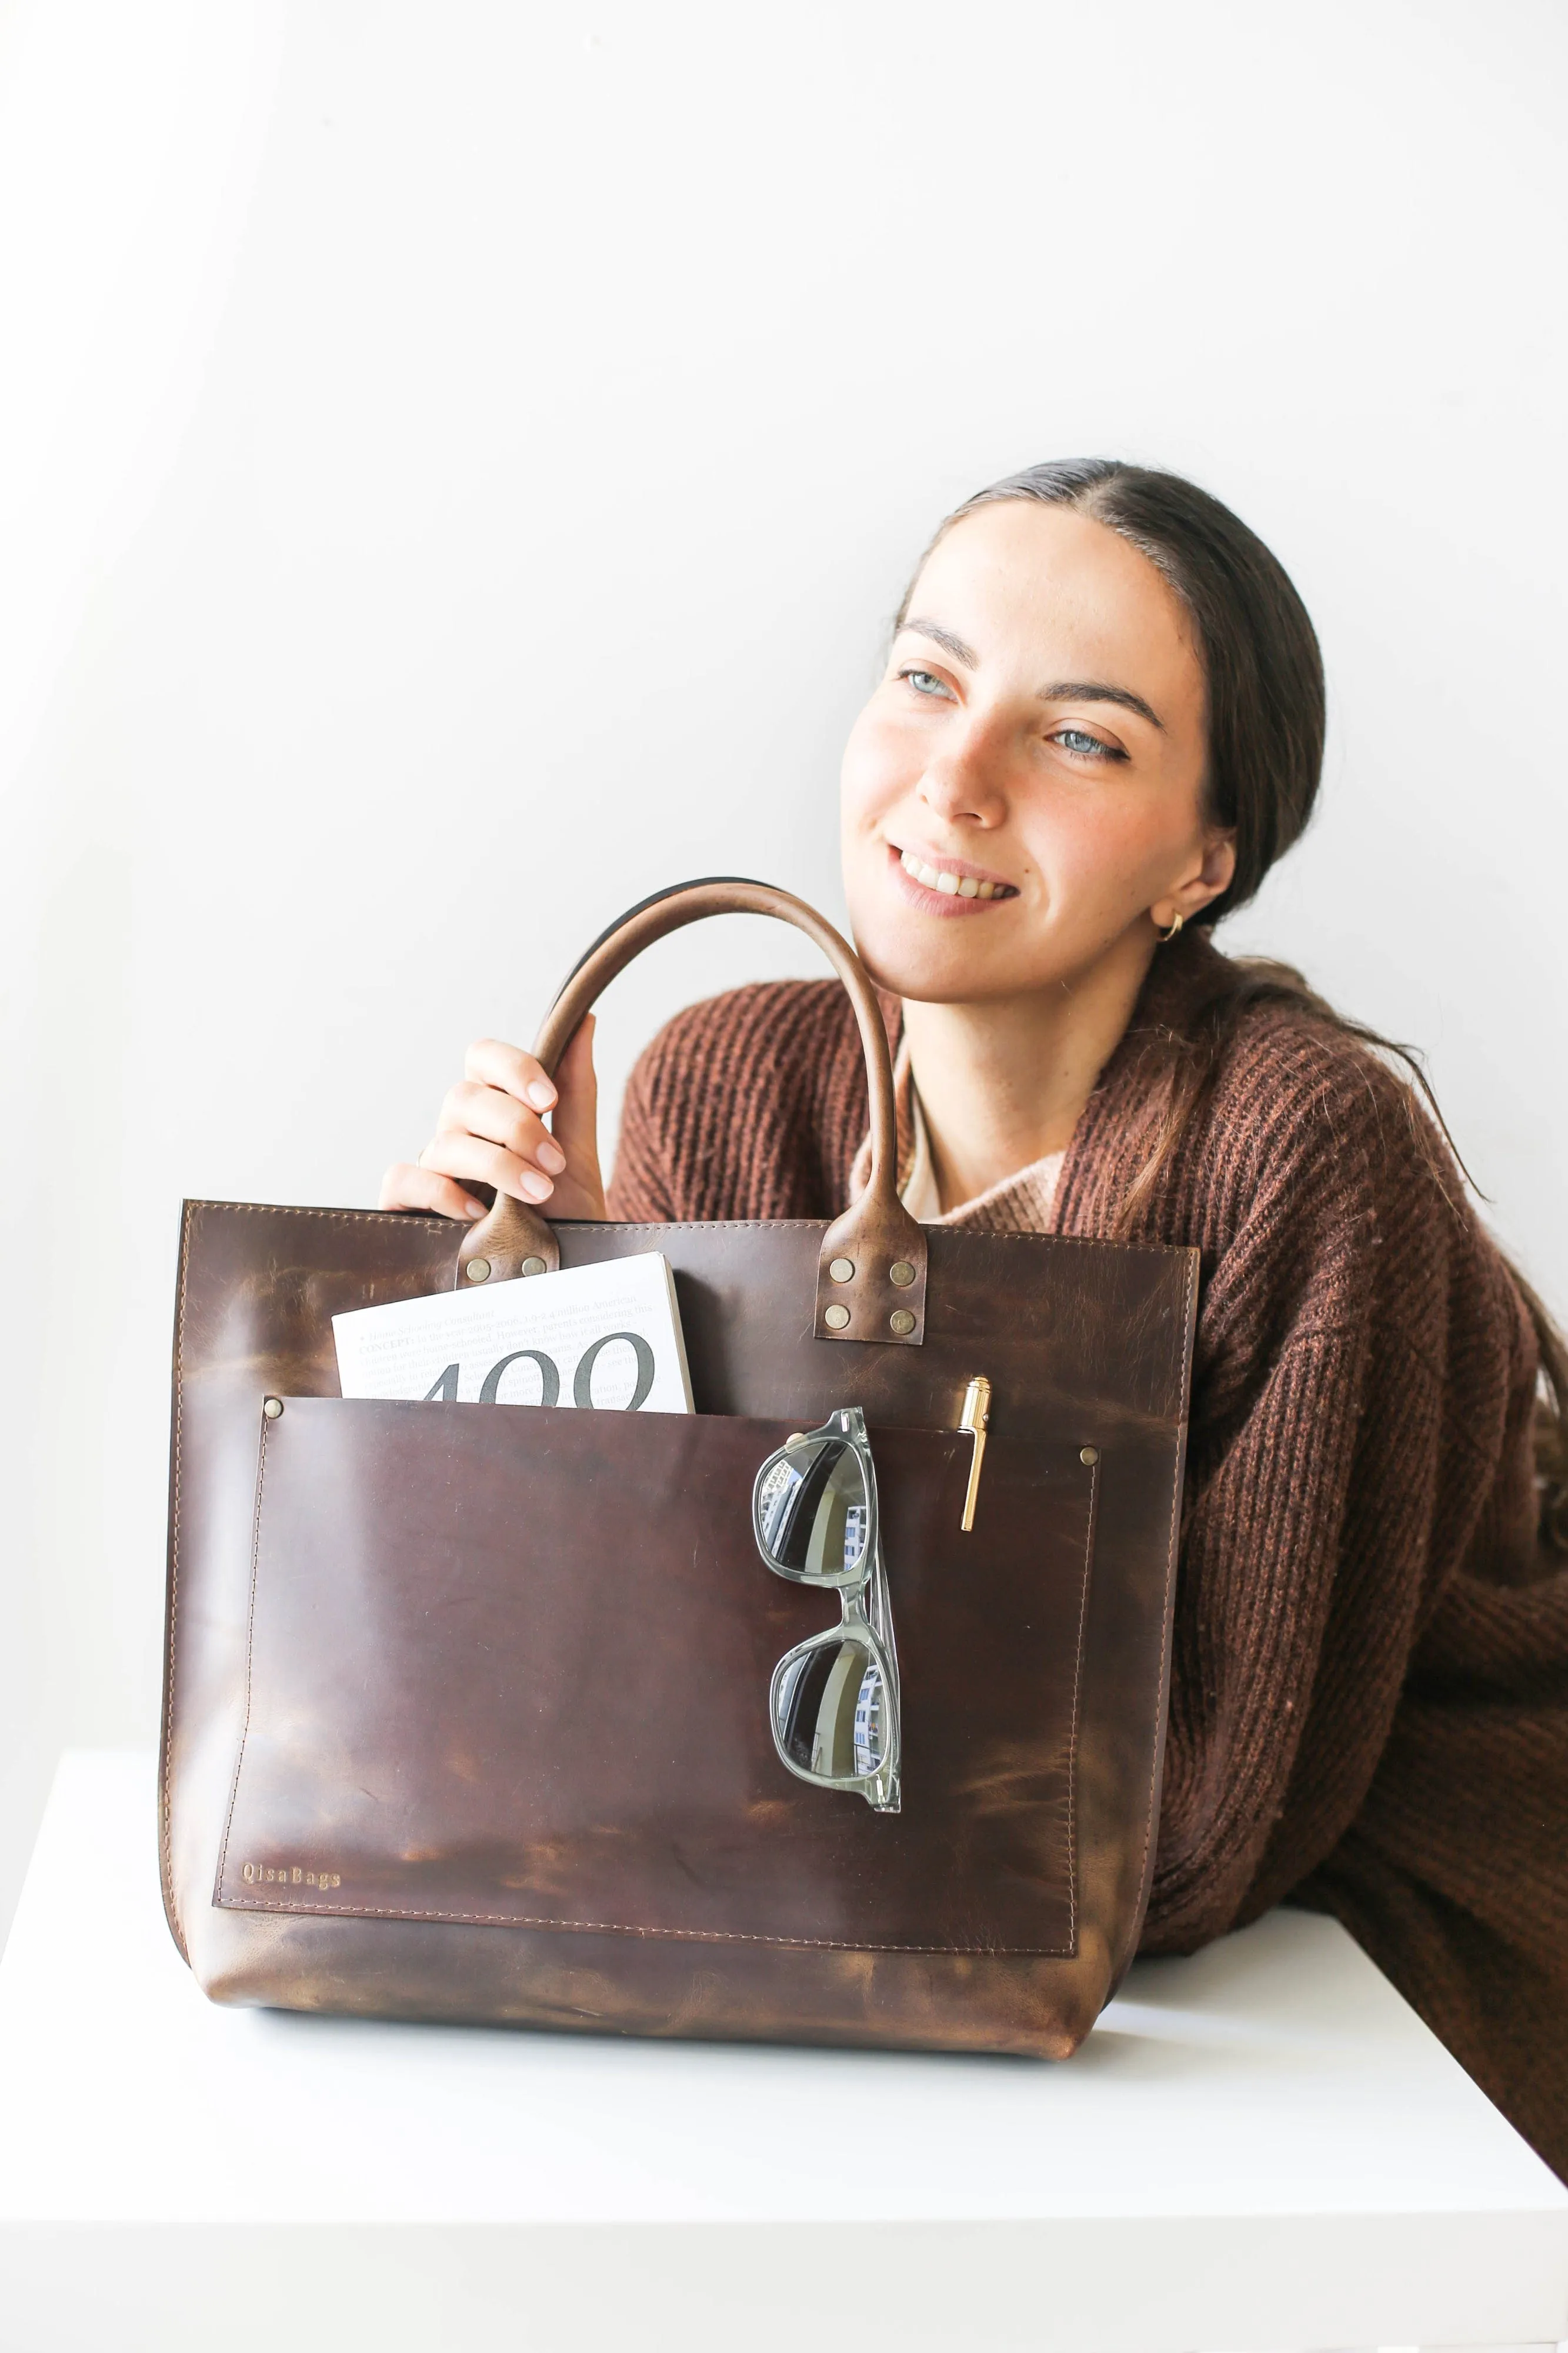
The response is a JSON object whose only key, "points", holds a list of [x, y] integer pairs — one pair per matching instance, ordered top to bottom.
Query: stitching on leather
{"points": [[285, 1209], [659, 1225], [709, 1225], [753, 1225], [1191, 1321], [249, 1646], [1077, 1696], [168, 1840], [629, 1929]]}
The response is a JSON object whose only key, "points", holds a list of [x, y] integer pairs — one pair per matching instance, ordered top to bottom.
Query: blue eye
{"points": [[924, 682], [1085, 746]]}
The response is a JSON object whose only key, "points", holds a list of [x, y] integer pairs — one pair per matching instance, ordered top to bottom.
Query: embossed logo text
{"points": [[290, 1874]]}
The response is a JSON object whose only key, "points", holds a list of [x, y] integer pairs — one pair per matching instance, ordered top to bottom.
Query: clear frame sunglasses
{"points": [[833, 1702]]}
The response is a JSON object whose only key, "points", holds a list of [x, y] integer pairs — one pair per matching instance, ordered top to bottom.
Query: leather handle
{"points": [[871, 1274]]}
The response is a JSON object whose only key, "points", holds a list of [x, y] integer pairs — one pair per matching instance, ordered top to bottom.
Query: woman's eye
{"points": [[924, 682], [1085, 746]]}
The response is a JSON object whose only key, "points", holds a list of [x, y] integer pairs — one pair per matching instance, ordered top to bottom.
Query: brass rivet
{"points": [[534, 1266], [841, 1269], [477, 1270], [902, 1272], [835, 1317], [901, 1322], [272, 1408], [1089, 1454]]}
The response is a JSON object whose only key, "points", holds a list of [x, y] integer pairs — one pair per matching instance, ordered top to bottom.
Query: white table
{"points": [[1259, 2147]]}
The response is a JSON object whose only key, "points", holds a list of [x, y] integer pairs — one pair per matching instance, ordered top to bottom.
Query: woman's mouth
{"points": [[950, 888]]}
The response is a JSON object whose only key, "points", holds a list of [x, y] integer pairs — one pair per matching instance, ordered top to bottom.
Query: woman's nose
{"points": [[966, 779]]}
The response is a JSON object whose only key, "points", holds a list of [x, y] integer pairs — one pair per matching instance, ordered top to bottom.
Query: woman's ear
{"points": [[1189, 899]]}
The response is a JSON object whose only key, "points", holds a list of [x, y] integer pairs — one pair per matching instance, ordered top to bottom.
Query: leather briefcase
{"points": [[468, 1707]]}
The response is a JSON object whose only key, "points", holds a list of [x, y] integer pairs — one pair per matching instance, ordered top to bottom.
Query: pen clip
{"points": [[973, 1420]]}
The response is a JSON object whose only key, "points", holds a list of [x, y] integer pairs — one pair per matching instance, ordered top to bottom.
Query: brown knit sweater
{"points": [[1369, 1710]]}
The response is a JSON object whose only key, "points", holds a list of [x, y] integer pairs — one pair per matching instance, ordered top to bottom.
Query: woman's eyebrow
{"points": [[940, 637], [1066, 690], [1092, 690]]}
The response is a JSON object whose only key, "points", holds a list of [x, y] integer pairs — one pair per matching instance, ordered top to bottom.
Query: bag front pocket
{"points": [[509, 1665]]}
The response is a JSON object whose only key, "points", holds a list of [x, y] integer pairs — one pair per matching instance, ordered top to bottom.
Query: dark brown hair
{"points": [[1264, 679]]}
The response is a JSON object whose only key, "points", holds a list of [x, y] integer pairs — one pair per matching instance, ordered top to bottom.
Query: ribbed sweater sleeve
{"points": [[1328, 1507], [1452, 1874]]}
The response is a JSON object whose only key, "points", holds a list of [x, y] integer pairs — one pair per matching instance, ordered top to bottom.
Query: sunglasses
{"points": [[834, 1700]]}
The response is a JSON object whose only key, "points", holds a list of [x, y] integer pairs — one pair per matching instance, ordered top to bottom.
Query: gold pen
{"points": [[974, 1419]]}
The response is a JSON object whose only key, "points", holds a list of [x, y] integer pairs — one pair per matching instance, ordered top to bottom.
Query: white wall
{"points": [[457, 464]]}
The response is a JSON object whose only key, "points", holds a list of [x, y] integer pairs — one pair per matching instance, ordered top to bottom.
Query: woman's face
{"points": [[1038, 743]]}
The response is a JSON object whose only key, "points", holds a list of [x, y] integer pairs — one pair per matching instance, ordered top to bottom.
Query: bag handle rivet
{"points": [[532, 1266], [477, 1270], [842, 1270], [904, 1274], [835, 1317], [901, 1321], [272, 1408], [1089, 1454]]}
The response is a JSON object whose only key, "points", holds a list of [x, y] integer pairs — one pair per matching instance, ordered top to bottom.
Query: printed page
{"points": [[606, 1337]]}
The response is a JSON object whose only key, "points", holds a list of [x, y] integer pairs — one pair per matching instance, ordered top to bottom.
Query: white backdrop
{"points": [[457, 466]]}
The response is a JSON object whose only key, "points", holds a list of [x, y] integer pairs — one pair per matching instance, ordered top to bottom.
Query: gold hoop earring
{"points": [[1166, 937]]}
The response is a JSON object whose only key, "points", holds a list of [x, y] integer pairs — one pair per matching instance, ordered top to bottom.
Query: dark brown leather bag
{"points": [[467, 1706]]}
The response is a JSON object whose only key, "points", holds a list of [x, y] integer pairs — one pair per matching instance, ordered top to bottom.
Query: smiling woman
{"points": [[1045, 711], [1101, 723]]}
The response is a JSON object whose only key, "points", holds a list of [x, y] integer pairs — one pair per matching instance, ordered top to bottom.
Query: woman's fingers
{"points": [[494, 1063], [472, 1109], [491, 1132], [474, 1158], [408, 1187]]}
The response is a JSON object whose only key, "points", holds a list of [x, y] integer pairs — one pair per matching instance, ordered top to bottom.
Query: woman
{"points": [[1102, 722]]}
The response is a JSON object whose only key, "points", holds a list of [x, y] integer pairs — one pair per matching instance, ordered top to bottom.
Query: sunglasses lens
{"points": [[812, 1516], [830, 1710]]}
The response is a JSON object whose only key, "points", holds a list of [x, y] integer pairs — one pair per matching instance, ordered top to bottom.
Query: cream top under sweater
{"points": [[1019, 1204]]}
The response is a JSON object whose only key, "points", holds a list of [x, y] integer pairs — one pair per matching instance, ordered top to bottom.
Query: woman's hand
{"points": [[491, 1131]]}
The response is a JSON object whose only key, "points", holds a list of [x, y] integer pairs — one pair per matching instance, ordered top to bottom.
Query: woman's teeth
{"points": [[957, 886]]}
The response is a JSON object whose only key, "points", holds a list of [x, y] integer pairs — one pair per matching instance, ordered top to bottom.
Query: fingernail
{"points": [[541, 1094], [551, 1156], [536, 1188], [474, 1208]]}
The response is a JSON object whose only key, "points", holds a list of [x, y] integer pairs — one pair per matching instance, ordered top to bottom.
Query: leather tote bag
{"points": [[468, 1707]]}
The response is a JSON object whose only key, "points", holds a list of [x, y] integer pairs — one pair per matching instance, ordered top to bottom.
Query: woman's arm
{"points": [[1358, 1355]]}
